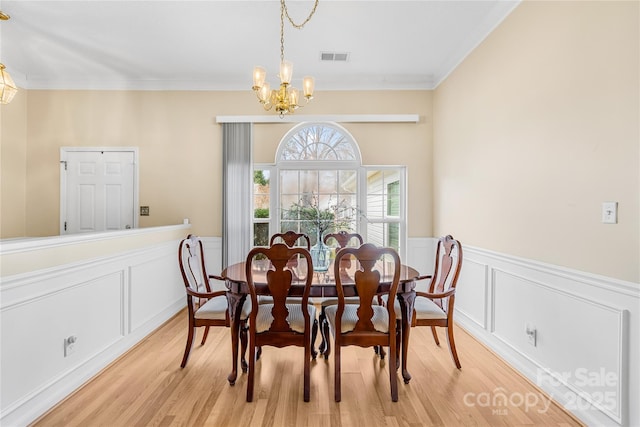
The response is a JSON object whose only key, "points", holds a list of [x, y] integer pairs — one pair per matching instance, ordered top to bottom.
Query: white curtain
{"points": [[237, 191]]}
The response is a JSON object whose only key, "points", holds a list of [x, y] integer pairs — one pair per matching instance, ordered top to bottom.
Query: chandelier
{"points": [[8, 88], [285, 98]]}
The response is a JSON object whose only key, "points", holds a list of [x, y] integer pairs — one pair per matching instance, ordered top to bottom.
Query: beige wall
{"points": [[538, 127], [180, 146], [13, 168]]}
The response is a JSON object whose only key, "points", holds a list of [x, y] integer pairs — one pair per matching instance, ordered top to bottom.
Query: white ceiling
{"points": [[214, 45]]}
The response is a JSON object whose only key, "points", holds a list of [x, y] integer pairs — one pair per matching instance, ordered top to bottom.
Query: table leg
{"points": [[235, 302], [406, 304]]}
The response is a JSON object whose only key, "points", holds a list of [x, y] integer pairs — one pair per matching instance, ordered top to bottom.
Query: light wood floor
{"points": [[147, 387]]}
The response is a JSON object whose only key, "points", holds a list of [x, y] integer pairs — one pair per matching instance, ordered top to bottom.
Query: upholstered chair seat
{"points": [[216, 308], [424, 308], [380, 318], [295, 319]]}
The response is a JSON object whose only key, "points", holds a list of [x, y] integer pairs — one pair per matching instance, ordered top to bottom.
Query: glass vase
{"points": [[320, 255]]}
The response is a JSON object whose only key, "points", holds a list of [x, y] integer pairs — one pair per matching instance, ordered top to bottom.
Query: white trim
{"points": [[340, 118], [13, 246], [598, 281]]}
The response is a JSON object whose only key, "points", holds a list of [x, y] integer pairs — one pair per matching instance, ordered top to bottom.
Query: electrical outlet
{"points": [[144, 210], [532, 333], [70, 345]]}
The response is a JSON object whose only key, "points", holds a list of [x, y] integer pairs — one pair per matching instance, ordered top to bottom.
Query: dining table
{"points": [[323, 286]]}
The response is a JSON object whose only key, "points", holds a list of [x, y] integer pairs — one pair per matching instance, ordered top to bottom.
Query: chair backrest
{"points": [[290, 238], [343, 238], [370, 260], [191, 261], [192, 267], [447, 268], [278, 280]]}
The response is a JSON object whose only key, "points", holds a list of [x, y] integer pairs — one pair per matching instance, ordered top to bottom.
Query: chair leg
{"points": [[324, 331], [314, 335], [435, 335], [204, 336], [398, 341], [243, 347], [452, 347], [187, 350], [252, 367], [307, 370], [393, 376], [337, 384]]}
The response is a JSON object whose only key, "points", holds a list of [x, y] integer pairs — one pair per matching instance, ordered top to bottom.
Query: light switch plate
{"points": [[610, 212]]}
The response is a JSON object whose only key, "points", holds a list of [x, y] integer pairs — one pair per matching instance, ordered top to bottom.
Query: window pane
{"points": [[328, 181], [347, 181], [288, 182], [308, 182], [261, 193], [393, 199], [375, 206], [289, 225], [261, 234], [375, 234], [393, 235]]}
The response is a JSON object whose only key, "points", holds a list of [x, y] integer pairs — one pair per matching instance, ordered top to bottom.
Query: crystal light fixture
{"points": [[8, 88], [285, 99]]}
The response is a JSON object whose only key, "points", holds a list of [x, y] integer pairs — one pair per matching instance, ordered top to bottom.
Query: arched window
{"points": [[318, 141], [318, 185]]}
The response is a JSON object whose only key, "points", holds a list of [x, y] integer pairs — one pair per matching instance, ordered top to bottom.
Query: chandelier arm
{"points": [[298, 26]]}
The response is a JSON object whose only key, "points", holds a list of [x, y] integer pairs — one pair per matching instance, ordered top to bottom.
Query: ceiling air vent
{"points": [[334, 56]]}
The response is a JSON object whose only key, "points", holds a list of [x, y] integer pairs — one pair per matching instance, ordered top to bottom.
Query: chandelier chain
{"points": [[285, 12], [299, 26]]}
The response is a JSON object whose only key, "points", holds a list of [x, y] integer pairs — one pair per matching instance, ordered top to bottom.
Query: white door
{"points": [[98, 190]]}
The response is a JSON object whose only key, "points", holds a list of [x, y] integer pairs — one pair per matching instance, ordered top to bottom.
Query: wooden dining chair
{"points": [[290, 238], [344, 239], [205, 307], [435, 307], [284, 322], [365, 324]]}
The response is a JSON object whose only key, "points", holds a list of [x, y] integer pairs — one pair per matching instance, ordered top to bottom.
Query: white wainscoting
{"points": [[109, 303], [587, 326], [587, 331]]}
